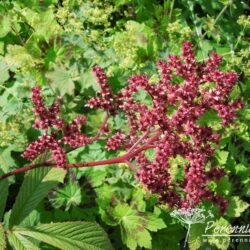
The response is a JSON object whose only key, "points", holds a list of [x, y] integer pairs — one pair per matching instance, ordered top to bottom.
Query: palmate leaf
{"points": [[44, 23], [19, 56], [61, 80], [87, 80], [221, 156], [6, 160], [35, 187], [68, 195], [236, 206], [135, 226], [198, 231], [70, 235], [195, 237], [2, 238], [223, 242]]}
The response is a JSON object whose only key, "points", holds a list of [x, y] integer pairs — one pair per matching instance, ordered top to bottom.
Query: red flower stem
{"points": [[154, 138], [138, 141], [122, 159], [131, 166]]}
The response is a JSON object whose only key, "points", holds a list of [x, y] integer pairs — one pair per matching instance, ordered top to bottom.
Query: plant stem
{"points": [[191, 8], [171, 11], [217, 18], [18, 35], [201, 37], [240, 37], [138, 142], [122, 159], [131, 166]]}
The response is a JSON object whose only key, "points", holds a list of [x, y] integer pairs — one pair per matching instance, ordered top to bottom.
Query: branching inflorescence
{"points": [[182, 88]]}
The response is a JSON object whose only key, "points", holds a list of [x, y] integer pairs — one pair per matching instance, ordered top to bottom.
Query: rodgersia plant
{"points": [[182, 88]]}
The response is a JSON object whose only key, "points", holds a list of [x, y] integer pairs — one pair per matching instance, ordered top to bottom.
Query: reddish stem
{"points": [[138, 142], [122, 159], [131, 166]]}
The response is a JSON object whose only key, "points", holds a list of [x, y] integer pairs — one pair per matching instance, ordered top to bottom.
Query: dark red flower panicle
{"points": [[178, 100], [49, 120]]}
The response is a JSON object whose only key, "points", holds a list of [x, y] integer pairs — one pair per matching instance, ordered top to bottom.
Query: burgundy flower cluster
{"points": [[182, 88], [106, 98], [47, 117], [48, 120], [169, 125], [116, 141], [46, 142]]}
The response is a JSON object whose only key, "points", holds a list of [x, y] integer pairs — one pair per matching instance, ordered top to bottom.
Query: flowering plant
{"points": [[182, 88], [143, 149]]}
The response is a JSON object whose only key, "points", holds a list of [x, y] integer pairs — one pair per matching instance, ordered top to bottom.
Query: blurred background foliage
{"points": [[55, 43]]}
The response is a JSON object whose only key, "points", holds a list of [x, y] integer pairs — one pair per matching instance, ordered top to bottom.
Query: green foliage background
{"points": [[54, 44]]}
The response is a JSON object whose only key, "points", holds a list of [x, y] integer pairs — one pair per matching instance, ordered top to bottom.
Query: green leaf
{"points": [[43, 23], [5, 26], [1, 48], [33, 48], [20, 57], [4, 71], [61, 79], [87, 80], [235, 93], [12, 107], [246, 113], [209, 118], [95, 120], [221, 156], [176, 167], [242, 171], [95, 176], [224, 186], [4, 187], [35, 187], [68, 195], [105, 195], [137, 201], [236, 206], [32, 219], [135, 227], [70, 235], [195, 237], [2, 238], [168, 238], [142, 239], [15, 242], [19, 242], [220, 242]]}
